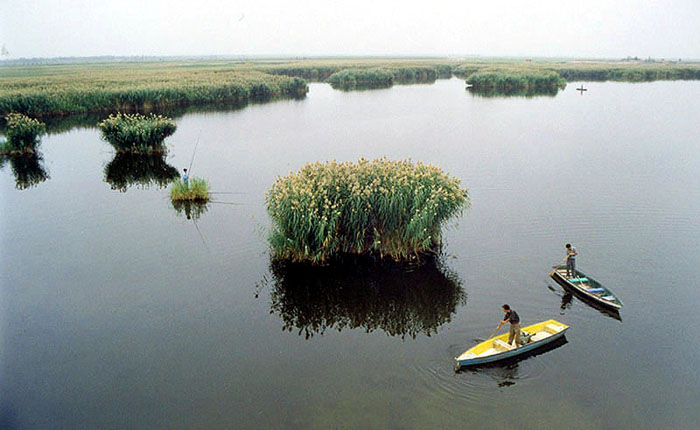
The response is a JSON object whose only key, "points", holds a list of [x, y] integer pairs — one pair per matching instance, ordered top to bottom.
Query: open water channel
{"points": [[116, 311]]}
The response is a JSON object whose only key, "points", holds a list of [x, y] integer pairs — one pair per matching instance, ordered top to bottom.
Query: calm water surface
{"points": [[117, 311]]}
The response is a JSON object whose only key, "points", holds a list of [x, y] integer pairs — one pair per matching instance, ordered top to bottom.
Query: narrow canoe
{"points": [[587, 288], [497, 348]]}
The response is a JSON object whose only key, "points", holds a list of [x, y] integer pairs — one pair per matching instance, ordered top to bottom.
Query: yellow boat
{"points": [[497, 348]]}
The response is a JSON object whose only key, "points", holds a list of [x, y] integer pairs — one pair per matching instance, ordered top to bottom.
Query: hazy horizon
{"points": [[547, 29]]}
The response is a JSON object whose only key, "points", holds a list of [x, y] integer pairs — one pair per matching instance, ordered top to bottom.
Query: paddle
{"points": [[555, 267], [494, 332]]}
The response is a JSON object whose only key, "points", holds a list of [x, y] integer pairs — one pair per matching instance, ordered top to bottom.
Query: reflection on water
{"points": [[361, 87], [513, 92], [61, 124], [28, 169], [139, 169], [190, 210], [398, 299], [567, 300], [505, 372]]}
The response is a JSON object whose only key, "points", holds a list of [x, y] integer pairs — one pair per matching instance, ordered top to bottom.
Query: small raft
{"points": [[587, 288], [497, 348]]}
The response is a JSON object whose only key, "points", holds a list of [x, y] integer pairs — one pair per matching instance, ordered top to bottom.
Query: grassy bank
{"points": [[68, 89], [385, 208]]}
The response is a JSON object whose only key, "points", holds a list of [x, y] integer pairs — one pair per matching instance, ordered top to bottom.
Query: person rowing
{"points": [[570, 260], [514, 319]]}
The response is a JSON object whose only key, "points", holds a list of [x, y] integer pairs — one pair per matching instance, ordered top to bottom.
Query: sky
{"points": [[667, 29]]}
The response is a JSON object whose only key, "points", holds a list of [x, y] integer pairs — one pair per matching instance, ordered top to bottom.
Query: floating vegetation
{"points": [[516, 79], [77, 88], [137, 133], [22, 134], [27, 168], [145, 170], [194, 190], [386, 208], [190, 209], [399, 299]]}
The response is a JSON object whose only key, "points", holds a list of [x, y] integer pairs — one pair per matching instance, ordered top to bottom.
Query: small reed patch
{"points": [[22, 133], [137, 133], [194, 190]]}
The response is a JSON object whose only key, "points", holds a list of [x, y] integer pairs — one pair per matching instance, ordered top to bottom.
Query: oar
{"points": [[555, 267], [494, 332]]}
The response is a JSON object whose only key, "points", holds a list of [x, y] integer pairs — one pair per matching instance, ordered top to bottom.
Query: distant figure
{"points": [[185, 177], [570, 260], [512, 317]]}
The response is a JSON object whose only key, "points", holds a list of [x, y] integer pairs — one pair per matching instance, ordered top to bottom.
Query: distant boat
{"points": [[581, 89], [587, 288], [497, 348]]}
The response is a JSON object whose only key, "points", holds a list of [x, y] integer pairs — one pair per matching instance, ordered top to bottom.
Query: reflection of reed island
{"points": [[489, 92], [28, 169], [127, 169], [190, 209], [398, 299]]}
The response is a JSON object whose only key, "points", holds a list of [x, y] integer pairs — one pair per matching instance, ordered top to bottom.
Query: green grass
{"points": [[137, 132], [22, 134], [196, 190], [392, 209]]}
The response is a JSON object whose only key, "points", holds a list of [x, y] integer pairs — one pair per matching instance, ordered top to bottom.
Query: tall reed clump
{"points": [[516, 79], [137, 132], [22, 134], [194, 190], [387, 208]]}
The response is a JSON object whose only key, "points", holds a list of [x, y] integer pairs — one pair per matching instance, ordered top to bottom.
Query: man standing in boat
{"points": [[570, 260], [514, 319]]}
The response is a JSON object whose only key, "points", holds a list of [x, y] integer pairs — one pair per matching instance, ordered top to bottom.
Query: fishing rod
{"points": [[193, 152]]}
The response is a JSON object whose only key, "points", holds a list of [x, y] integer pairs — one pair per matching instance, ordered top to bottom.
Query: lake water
{"points": [[116, 311]]}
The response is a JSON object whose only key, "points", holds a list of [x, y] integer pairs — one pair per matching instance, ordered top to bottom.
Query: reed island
{"points": [[22, 134], [384, 208]]}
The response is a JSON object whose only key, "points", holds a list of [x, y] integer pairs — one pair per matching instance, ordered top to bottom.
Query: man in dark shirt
{"points": [[570, 260], [514, 319]]}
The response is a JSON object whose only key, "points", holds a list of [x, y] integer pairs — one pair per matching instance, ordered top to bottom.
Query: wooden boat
{"points": [[587, 288], [497, 348]]}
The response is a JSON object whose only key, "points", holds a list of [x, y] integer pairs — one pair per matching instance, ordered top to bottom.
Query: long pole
{"points": [[193, 152]]}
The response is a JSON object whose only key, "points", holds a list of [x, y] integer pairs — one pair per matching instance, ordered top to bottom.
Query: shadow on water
{"points": [[513, 92], [56, 124], [28, 169], [126, 170], [190, 210], [567, 298], [399, 299], [506, 371]]}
